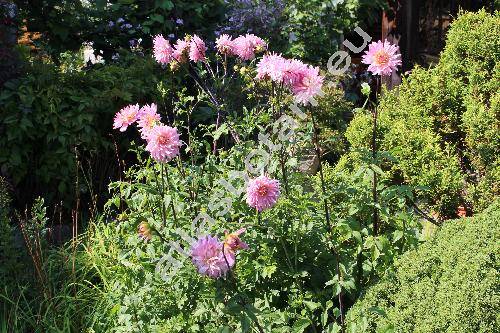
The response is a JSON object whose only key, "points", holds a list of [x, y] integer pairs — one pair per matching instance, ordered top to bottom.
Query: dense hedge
{"points": [[50, 114], [442, 124], [449, 284]]}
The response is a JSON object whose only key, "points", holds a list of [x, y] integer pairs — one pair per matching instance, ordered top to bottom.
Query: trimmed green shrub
{"points": [[442, 124], [449, 284]]}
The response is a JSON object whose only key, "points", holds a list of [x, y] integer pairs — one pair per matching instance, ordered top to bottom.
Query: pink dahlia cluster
{"points": [[245, 47], [190, 48], [193, 48], [382, 58], [303, 80], [163, 142], [262, 193], [214, 258]]}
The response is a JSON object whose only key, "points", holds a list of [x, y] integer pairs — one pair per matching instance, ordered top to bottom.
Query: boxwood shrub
{"points": [[442, 124], [449, 284]]}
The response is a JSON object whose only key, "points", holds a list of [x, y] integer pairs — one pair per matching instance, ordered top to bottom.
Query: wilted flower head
{"points": [[224, 44], [246, 46], [197, 49], [162, 50], [382, 57], [126, 117], [148, 118], [163, 143], [262, 193], [145, 231], [233, 242], [207, 256]]}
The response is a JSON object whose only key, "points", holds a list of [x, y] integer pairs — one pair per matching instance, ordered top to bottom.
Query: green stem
{"points": [[172, 198], [327, 215]]}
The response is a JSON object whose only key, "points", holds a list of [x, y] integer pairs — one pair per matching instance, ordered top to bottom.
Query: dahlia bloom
{"points": [[224, 44], [246, 46], [197, 49], [162, 50], [181, 50], [382, 57], [271, 66], [293, 72], [308, 86], [126, 117], [148, 118], [163, 143], [262, 193], [232, 242], [207, 256]]}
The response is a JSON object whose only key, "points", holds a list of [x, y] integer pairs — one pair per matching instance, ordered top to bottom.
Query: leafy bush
{"points": [[111, 25], [314, 27], [306, 29], [51, 118], [442, 123], [449, 284]]}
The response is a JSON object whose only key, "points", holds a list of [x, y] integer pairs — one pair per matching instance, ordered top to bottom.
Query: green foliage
{"points": [[67, 24], [314, 27], [332, 112], [54, 116], [442, 123], [9, 251], [448, 284], [43, 289]]}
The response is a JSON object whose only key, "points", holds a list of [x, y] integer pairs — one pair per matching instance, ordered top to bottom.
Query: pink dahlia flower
{"points": [[224, 44], [246, 46], [197, 49], [162, 50], [181, 50], [382, 57], [271, 66], [308, 86], [126, 117], [148, 118], [163, 143], [262, 193], [207, 256]]}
